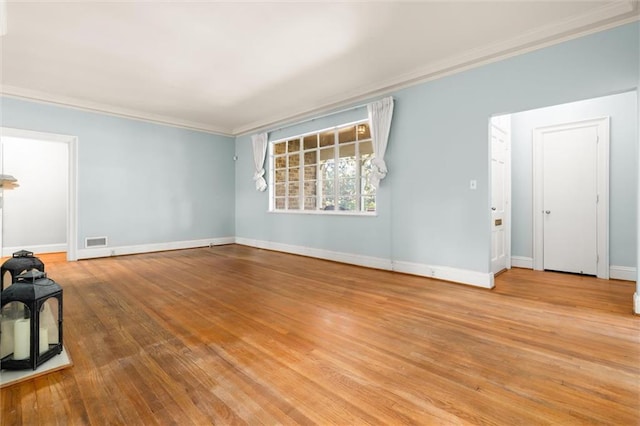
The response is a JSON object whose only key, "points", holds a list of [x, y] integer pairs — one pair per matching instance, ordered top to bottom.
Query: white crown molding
{"points": [[602, 18], [69, 102]]}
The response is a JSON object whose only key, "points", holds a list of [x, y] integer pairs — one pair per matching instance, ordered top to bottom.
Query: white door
{"points": [[499, 193], [572, 197], [570, 200]]}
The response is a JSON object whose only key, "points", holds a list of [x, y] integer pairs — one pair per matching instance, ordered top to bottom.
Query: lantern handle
{"points": [[23, 253], [31, 276]]}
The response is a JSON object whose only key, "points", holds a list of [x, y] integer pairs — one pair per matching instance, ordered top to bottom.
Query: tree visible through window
{"points": [[323, 171]]}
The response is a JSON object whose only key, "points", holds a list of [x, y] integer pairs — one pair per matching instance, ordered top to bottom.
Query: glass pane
{"points": [[363, 131], [348, 134], [327, 138], [311, 141], [294, 145], [280, 148], [366, 148], [347, 150], [327, 154], [310, 157], [294, 160], [281, 162], [347, 167], [327, 171], [365, 172], [310, 173], [294, 174], [280, 175], [309, 188], [327, 188], [347, 188], [367, 188], [294, 189], [280, 190], [279, 203], [294, 203], [310, 203], [328, 203], [347, 203], [369, 204], [6, 280], [49, 324], [15, 332]]}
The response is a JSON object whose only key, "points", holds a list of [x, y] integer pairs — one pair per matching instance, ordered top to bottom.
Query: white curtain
{"points": [[380, 114], [259, 153]]}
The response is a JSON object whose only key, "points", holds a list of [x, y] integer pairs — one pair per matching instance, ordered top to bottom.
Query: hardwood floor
{"points": [[236, 335]]}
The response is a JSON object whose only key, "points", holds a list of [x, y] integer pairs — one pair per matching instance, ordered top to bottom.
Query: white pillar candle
{"points": [[6, 338], [21, 339], [44, 339]]}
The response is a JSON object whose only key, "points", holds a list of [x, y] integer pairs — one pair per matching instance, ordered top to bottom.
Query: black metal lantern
{"points": [[20, 262], [31, 321]]}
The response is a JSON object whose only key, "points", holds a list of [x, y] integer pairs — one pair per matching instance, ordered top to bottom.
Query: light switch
{"points": [[473, 184]]}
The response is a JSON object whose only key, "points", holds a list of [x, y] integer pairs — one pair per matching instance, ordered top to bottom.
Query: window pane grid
{"points": [[326, 170]]}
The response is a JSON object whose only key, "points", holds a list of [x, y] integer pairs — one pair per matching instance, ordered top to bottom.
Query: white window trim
{"points": [[271, 175], [325, 212]]}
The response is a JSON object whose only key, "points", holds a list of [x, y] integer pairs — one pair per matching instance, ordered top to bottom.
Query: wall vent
{"points": [[92, 242]]}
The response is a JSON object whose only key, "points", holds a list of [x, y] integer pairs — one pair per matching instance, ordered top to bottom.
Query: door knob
{"points": [[493, 208], [547, 211]]}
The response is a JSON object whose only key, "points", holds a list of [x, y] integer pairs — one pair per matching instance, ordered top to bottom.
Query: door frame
{"points": [[602, 172], [72, 190]]}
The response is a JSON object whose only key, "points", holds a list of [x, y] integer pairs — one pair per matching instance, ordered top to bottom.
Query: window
{"points": [[323, 172]]}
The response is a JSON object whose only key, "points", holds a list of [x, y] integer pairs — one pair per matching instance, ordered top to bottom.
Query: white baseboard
{"points": [[46, 248], [90, 253], [353, 259], [522, 262], [615, 272], [446, 273], [622, 273], [462, 276], [636, 303]]}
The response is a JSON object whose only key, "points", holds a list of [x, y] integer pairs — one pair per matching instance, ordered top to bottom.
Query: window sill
{"points": [[324, 212]]}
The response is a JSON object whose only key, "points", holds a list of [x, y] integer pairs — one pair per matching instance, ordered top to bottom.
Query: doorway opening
{"points": [[613, 203], [39, 214]]}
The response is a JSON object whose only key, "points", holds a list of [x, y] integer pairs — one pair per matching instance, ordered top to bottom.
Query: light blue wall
{"points": [[438, 142], [140, 183], [623, 185], [335, 232]]}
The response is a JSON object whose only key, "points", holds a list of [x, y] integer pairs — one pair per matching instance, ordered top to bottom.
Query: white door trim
{"points": [[602, 187], [72, 207]]}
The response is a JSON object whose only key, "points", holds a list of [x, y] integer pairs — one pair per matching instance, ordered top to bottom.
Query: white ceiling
{"points": [[233, 67]]}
